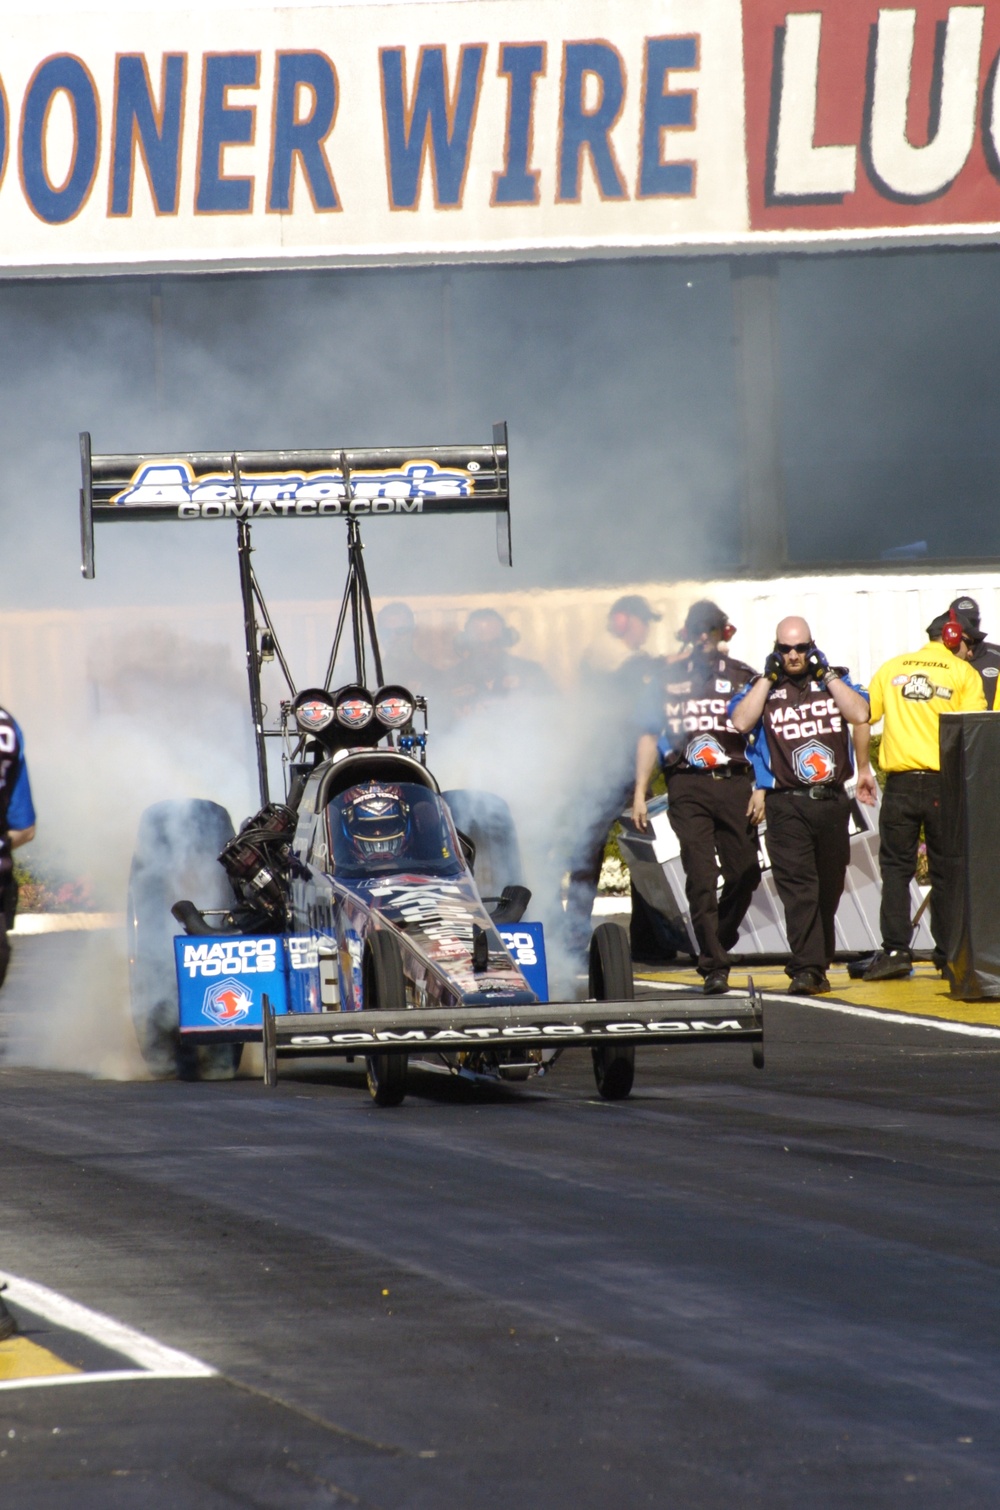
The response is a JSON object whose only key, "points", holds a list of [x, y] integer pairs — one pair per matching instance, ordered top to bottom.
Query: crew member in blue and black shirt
{"points": [[796, 716], [713, 807], [17, 823]]}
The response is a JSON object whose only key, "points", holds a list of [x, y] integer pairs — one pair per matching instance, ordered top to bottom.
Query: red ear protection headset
{"points": [[952, 633], [725, 634]]}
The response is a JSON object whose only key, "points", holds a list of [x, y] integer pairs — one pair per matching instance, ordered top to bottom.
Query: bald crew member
{"points": [[796, 717]]}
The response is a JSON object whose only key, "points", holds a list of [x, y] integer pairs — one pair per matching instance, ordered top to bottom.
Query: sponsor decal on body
{"points": [[521, 946], [303, 953], [236, 956], [227, 1002], [449, 1037]]}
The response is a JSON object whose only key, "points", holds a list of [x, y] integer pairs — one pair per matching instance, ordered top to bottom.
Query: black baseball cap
{"points": [[635, 604], [966, 608], [702, 617]]}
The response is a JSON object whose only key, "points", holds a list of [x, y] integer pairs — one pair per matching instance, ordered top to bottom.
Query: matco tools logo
{"points": [[706, 753], [814, 762], [236, 956], [226, 1003]]}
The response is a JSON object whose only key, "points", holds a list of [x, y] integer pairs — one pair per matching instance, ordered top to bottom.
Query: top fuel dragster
{"points": [[347, 918]]}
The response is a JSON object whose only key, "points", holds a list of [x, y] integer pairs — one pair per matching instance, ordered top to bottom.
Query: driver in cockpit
{"points": [[376, 821]]}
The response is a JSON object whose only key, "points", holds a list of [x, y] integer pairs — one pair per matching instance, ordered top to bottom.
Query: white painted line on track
{"points": [[943, 1024], [154, 1359], [109, 1376]]}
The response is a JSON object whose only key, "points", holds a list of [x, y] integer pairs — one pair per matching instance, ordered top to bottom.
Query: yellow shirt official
{"points": [[911, 692]]}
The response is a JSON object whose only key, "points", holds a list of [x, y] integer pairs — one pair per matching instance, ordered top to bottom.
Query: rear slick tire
{"points": [[175, 856], [611, 980], [385, 991]]}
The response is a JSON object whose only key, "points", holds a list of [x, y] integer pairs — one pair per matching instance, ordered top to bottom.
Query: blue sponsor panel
{"points": [[525, 942], [222, 981]]}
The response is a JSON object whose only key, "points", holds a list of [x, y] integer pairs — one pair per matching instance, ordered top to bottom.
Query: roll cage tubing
{"points": [[349, 485]]}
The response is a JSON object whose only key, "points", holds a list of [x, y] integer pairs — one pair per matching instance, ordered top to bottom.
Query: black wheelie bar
{"points": [[673, 1019]]}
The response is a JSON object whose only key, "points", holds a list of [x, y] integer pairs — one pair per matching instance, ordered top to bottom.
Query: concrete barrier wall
{"points": [[60, 667]]}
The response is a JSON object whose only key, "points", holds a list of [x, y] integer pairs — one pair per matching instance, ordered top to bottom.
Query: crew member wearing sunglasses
{"points": [[796, 717], [714, 808]]}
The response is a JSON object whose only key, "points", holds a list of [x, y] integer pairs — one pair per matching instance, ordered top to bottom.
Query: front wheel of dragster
{"points": [[175, 857], [611, 980], [385, 991]]}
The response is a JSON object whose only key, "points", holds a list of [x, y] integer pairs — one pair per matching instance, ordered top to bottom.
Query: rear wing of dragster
{"points": [[250, 485], [246, 486]]}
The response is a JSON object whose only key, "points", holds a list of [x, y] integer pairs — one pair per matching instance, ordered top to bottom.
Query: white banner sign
{"points": [[499, 129], [262, 138]]}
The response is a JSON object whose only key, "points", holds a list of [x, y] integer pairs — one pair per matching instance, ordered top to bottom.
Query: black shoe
{"points": [[891, 964], [716, 983], [808, 983], [8, 1326]]}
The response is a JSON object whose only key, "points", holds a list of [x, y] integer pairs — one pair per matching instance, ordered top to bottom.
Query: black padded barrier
{"points": [[970, 811]]}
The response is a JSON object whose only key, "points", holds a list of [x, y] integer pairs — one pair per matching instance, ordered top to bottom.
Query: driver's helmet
{"points": [[376, 821]]}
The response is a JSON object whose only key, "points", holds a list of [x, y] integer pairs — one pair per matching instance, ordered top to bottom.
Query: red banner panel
{"points": [[861, 116]]}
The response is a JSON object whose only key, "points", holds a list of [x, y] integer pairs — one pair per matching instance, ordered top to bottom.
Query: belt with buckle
{"points": [[717, 773], [824, 793]]}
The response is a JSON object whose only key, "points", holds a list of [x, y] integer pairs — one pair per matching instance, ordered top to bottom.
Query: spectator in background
{"points": [[984, 657], [400, 660], [486, 670], [910, 693], [620, 701]]}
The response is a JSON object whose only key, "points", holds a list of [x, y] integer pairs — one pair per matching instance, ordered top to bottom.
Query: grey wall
{"points": [[618, 381]]}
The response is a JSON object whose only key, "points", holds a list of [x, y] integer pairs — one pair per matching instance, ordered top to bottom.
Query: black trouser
{"points": [[911, 799], [709, 817], [810, 847], [8, 907]]}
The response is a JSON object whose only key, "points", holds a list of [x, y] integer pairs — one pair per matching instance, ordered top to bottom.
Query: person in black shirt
{"points": [[985, 658], [486, 672], [796, 716], [714, 808]]}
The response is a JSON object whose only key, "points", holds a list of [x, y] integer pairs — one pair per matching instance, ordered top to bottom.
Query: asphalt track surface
{"points": [[739, 1288]]}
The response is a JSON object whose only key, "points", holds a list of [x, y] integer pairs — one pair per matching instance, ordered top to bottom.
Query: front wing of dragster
{"points": [[675, 1019], [546, 1026]]}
